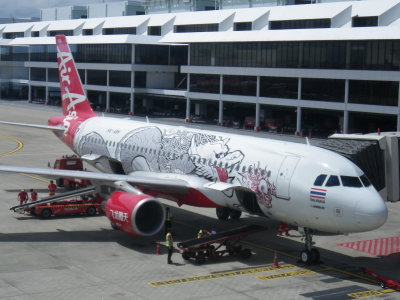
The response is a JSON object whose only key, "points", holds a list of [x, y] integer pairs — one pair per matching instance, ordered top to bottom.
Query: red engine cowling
{"points": [[139, 215]]}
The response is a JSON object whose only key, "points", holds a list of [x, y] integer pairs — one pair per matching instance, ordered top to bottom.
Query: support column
{"points": [[108, 92], [107, 101], [132, 102], [221, 103], [221, 112], [398, 112], [298, 117], [188, 118], [257, 123], [345, 128]]}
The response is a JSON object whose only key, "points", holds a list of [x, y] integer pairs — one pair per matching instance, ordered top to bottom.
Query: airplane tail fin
{"points": [[73, 97]]}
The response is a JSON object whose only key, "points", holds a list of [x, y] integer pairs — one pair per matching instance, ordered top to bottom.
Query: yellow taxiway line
{"points": [[20, 145]]}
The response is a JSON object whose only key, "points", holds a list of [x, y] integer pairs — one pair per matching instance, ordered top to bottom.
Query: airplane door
{"points": [[285, 175]]}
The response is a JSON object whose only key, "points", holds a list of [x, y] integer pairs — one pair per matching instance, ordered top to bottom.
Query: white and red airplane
{"points": [[302, 185]]}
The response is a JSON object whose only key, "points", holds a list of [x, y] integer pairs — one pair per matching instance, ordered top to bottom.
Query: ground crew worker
{"points": [[52, 188], [33, 195], [22, 197], [168, 220], [283, 228], [203, 232], [170, 244]]}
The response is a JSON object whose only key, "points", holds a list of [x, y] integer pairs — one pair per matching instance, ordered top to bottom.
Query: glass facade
{"points": [[364, 21], [300, 24], [242, 26], [196, 28], [121, 30], [154, 30], [58, 32], [12, 35], [14, 53], [88, 53], [152, 55], [361, 55], [38, 74], [52, 75], [97, 77], [120, 78], [140, 79], [204, 83], [239, 85], [279, 87], [322, 89], [14, 91], [374, 92], [120, 102]]}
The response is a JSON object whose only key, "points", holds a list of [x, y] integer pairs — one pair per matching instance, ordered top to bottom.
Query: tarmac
{"points": [[79, 257]]}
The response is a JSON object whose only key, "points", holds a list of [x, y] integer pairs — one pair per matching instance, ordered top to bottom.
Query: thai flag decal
{"points": [[317, 194]]}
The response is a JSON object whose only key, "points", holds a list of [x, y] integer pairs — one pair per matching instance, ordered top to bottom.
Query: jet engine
{"points": [[139, 215]]}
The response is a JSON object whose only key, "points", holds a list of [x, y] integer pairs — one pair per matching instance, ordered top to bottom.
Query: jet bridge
{"points": [[376, 154]]}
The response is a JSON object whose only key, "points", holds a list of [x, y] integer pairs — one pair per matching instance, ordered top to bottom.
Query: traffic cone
{"points": [[158, 248], [275, 264]]}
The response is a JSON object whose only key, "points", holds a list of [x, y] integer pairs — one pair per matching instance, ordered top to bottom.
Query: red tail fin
{"points": [[74, 100]]}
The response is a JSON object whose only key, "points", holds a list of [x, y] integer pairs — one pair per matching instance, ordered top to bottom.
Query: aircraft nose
{"points": [[371, 213]]}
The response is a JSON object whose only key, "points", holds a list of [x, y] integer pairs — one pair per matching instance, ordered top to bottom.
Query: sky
{"points": [[31, 8]]}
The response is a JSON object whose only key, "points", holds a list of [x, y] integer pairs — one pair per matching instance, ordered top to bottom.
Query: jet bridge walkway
{"points": [[216, 246]]}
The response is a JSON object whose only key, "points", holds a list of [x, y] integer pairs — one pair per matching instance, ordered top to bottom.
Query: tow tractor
{"points": [[70, 162], [82, 201], [217, 246], [383, 281]]}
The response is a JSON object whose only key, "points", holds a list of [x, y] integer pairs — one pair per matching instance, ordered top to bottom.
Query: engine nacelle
{"points": [[139, 215]]}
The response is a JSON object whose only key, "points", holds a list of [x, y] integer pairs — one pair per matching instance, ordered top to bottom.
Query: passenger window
{"points": [[320, 180], [333, 181], [351, 181], [365, 181]]}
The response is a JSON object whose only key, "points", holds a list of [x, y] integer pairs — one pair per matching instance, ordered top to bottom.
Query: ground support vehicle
{"points": [[74, 163], [68, 207], [216, 246], [383, 282]]}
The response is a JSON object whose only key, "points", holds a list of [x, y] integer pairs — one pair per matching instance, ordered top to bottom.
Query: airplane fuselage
{"points": [[299, 184]]}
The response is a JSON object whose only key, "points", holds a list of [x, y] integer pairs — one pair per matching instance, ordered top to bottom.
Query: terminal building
{"points": [[316, 68]]}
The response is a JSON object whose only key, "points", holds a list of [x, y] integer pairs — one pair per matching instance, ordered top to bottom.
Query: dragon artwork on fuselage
{"points": [[183, 152]]}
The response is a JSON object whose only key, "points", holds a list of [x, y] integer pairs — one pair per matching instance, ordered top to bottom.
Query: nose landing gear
{"points": [[309, 255]]}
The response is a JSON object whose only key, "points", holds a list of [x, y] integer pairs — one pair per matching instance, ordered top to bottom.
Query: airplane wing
{"points": [[47, 127], [176, 183]]}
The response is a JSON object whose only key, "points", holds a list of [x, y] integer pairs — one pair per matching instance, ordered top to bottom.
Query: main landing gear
{"points": [[223, 213], [309, 255]]}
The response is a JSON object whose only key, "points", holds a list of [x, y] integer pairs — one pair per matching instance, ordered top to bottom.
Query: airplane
{"points": [[299, 184]]}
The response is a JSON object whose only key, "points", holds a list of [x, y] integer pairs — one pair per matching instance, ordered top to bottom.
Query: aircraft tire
{"points": [[91, 211], [46, 213], [222, 213], [235, 214], [246, 253], [186, 255], [314, 256], [306, 257], [200, 258]]}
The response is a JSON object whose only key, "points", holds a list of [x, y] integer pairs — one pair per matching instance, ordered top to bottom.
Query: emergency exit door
{"points": [[284, 176]]}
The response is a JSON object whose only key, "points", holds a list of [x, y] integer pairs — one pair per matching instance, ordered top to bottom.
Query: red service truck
{"points": [[70, 163]]}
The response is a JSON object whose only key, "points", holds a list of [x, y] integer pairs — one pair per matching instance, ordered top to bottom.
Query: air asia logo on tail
{"points": [[65, 80], [72, 93], [75, 106]]}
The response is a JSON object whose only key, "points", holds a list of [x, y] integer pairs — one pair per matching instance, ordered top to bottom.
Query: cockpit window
{"points": [[320, 180], [365, 180], [333, 181], [351, 181]]}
